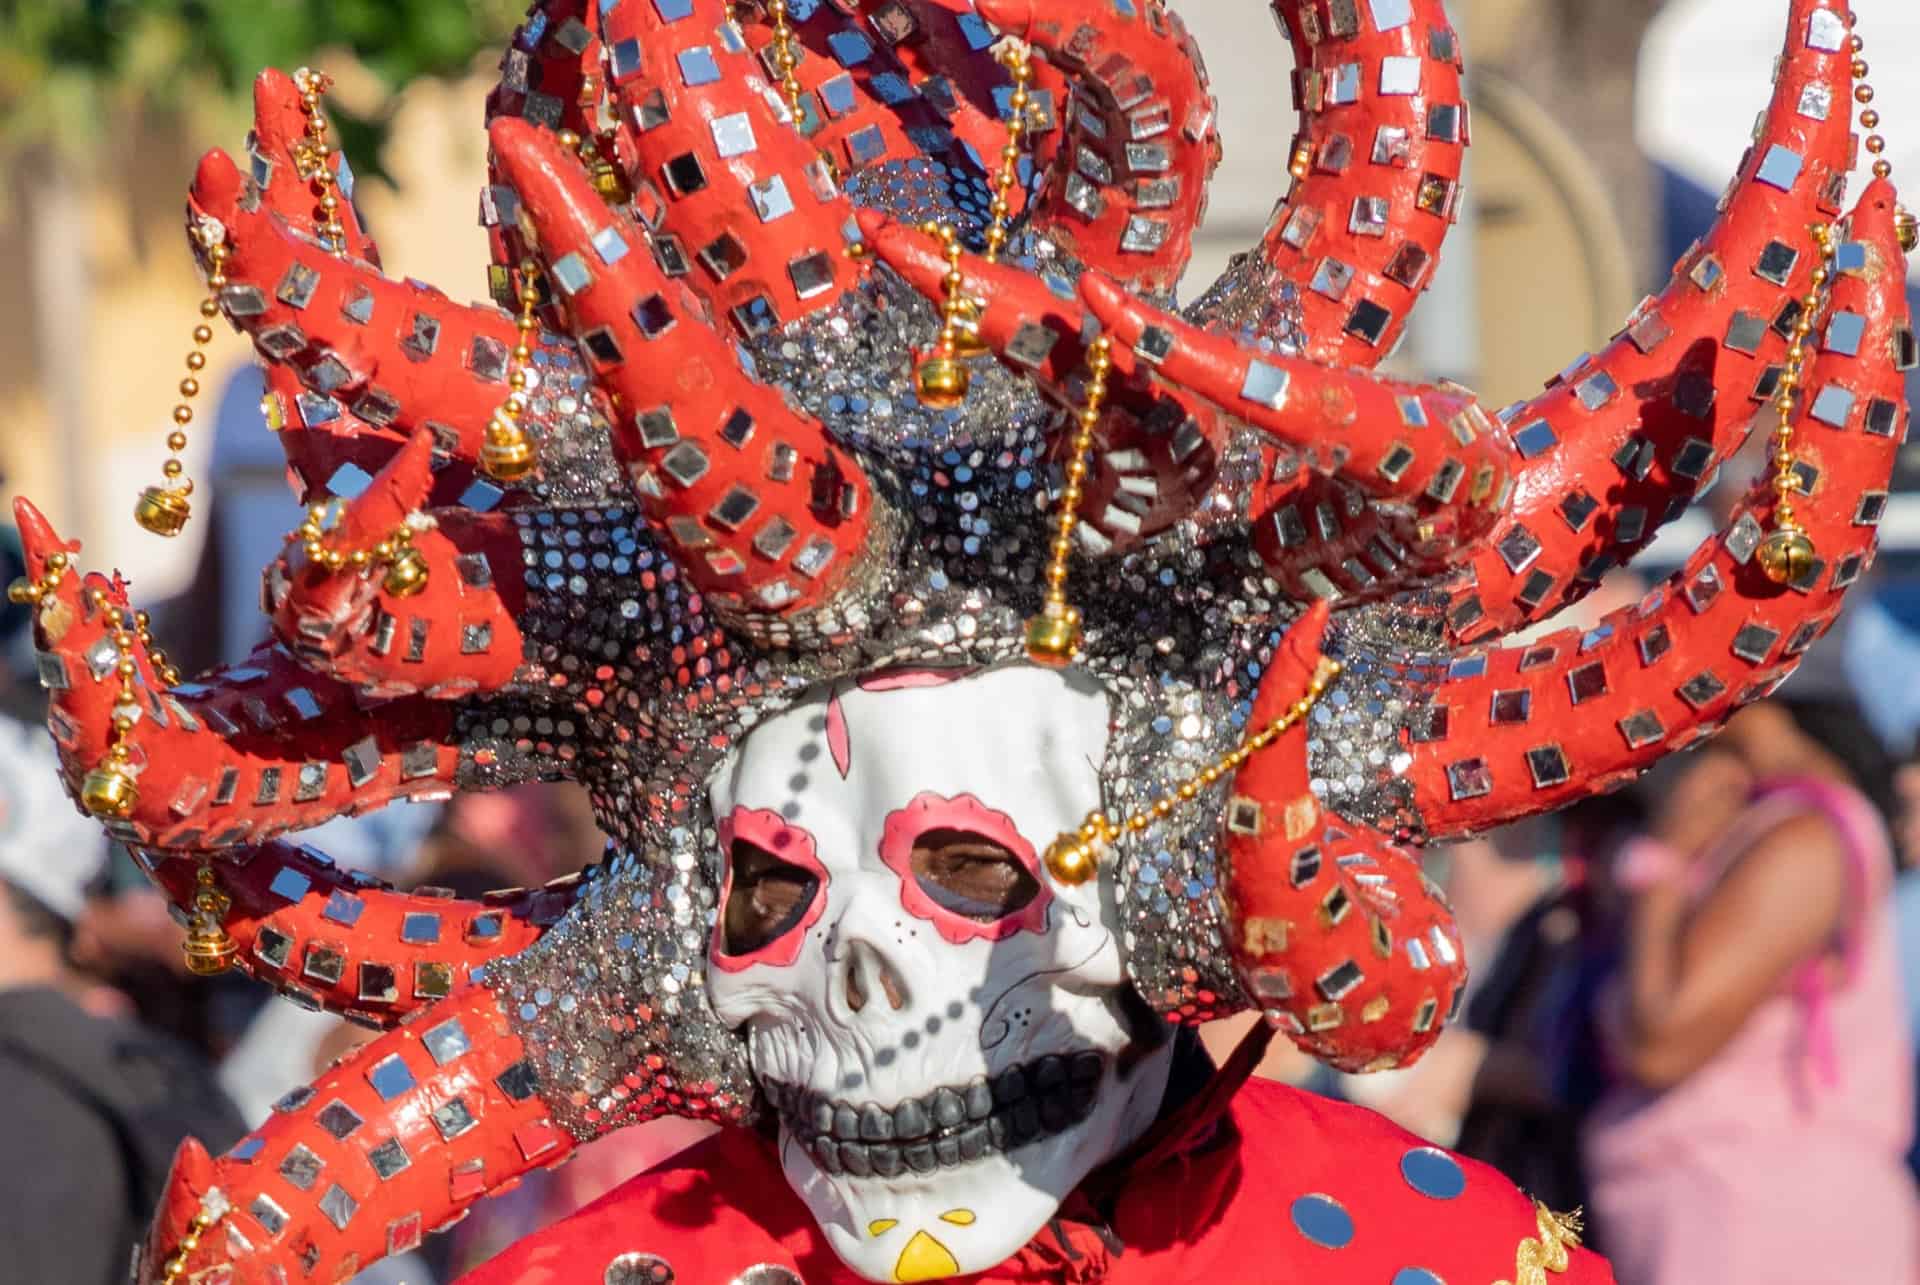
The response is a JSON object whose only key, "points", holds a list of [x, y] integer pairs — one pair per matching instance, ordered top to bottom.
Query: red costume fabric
{"points": [[1224, 1204]]}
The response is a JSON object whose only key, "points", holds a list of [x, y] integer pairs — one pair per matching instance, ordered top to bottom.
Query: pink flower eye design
{"points": [[965, 869], [775, 891]]}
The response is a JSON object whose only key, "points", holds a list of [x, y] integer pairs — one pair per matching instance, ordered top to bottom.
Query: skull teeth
{"points": [[947, 1127]]}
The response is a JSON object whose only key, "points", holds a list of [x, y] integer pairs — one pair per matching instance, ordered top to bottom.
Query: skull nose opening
{"points": [[868, 974]]}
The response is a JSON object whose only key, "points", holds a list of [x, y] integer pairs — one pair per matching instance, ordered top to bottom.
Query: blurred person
{"points": [[1906, 915], [1759, 1106], [91, 1107], [1522, 1114]]}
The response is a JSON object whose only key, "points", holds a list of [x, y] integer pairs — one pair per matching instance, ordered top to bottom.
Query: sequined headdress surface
{"points": [[708, 242]]}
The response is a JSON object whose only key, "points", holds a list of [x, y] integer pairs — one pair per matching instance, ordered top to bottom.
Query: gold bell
{"points": [[1907, 227], [967, 342], [942, 381], [508, 455], [162, 510], [1786, 555], [406, 574], [23, 592], [1053, 639], [108, 791], [1072, 860], [208, 949]]}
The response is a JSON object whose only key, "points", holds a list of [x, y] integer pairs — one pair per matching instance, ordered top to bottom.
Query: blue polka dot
{"points": [[1432, 1172], [1322, 1220], [1416, 1276]]}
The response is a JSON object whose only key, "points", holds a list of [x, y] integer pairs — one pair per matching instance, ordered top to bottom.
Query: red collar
{"points": [[1164, 1188]]}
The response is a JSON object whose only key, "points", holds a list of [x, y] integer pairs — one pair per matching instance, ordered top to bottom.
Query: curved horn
{"points": [[1377, 161], [1128, 184], [739, 205], [397, 355], [1618, 445], [1596, 462], [764, 509], [359, 625], [1526, 729], [245, 752], [1335, 931], [335, 939], [400, 1138]]}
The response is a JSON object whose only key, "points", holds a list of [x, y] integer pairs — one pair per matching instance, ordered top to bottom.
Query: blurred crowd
{"points": [[1695, 1000]]}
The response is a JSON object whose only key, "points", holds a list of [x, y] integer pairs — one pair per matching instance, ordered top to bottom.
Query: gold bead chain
{"points": [[1017, 57], [785, 58], [1876, 144], [314, 158], [1301, 163], [963, 313], [941, 378], [508, 454], [165, 508], [1787, 553], [406, 567], [27, 592], [1054, 636], [162, 667], [108, 790], [1074, 857], [176, 1267]]}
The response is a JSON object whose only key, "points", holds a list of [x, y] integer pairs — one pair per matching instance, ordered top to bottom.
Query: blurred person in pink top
{"points": [[1760, 1104]]}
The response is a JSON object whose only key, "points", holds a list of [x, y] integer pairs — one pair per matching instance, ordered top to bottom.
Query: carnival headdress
{"points": [[727, 441]]}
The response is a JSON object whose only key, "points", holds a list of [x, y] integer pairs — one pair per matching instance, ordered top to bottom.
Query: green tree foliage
{"points": [[72, 70]]}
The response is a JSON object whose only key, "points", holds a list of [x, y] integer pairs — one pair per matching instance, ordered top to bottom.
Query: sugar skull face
{"points": [[946, 1033]]}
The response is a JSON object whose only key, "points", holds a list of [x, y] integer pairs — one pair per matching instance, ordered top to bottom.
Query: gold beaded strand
{"points": [[1017, 57], [785, 59], [1876, 144], [314, 158], [964, 312], [941, 377], [508, 454], [164, 509], [1787, 553], [406, 567], [27, 592], [1054, 635], [162, 667], [109, 790], [1074, 857], [176, 1266]]}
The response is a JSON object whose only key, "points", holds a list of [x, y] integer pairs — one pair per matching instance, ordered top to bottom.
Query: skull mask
{"points": [[946, 1033]]}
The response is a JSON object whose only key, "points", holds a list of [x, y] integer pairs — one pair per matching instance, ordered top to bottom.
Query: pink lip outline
{"points": [[930, 811], [789, 842]]}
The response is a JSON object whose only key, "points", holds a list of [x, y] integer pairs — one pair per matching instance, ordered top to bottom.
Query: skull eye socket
{"points": [[972, 876], [766, 897]]}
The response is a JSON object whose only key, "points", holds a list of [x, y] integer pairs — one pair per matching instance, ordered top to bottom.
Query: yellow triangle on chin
{"points": [[881, 1226], [925, 1259]]}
